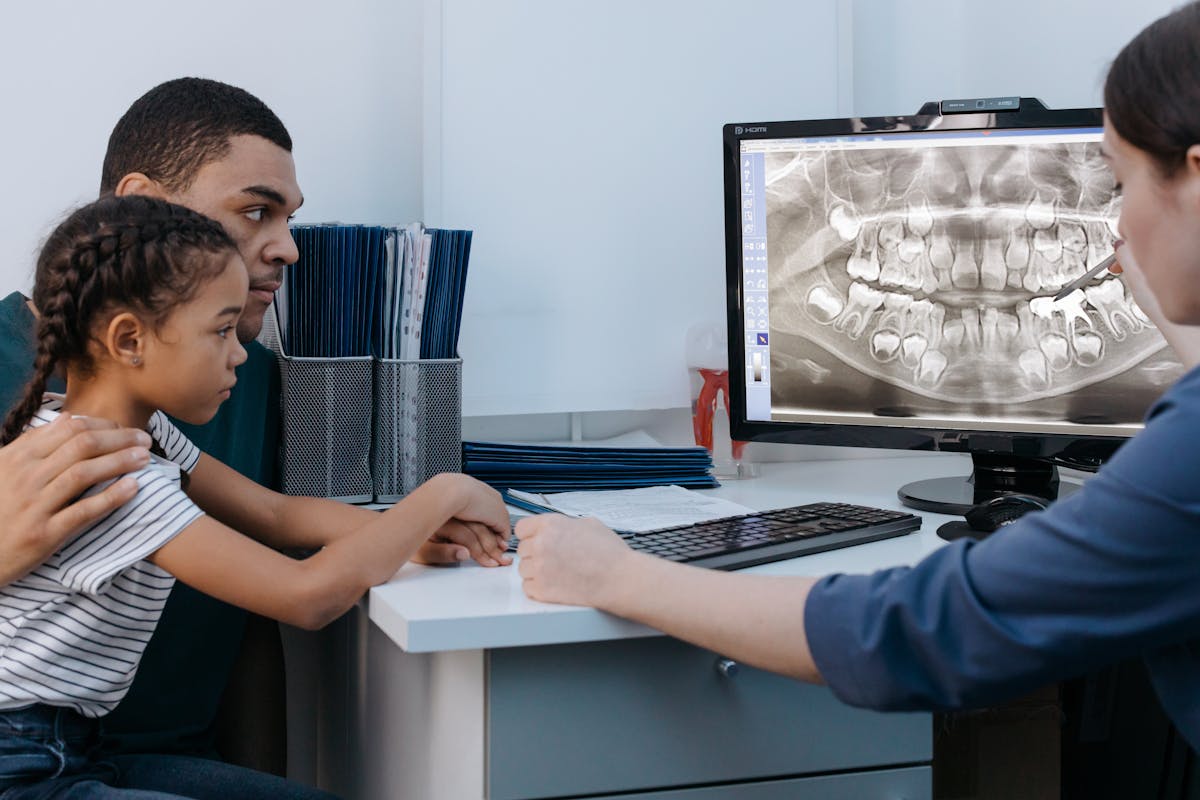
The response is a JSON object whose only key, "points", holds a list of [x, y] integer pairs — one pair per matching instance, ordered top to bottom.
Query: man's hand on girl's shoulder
{"points": [[45, 470]]}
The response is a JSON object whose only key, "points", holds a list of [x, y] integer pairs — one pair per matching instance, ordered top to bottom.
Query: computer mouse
{"points": [[1003, 510], [987, 517]]}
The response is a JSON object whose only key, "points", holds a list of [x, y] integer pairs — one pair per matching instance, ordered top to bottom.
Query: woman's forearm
{"points": [[758, 620]]}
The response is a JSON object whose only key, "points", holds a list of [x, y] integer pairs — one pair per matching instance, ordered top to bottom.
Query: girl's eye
{"points": [[1117, 188], [255, 215], [224, 332]]}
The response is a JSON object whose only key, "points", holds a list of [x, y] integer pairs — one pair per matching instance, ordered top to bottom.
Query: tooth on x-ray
{"points": [[933, 270], [811, 370]]}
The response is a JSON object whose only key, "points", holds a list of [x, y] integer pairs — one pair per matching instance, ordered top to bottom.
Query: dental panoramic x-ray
{"points": [[914, 276]]}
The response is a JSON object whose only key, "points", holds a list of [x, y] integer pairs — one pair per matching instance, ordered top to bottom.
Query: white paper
{"points": [[390, 276], [416, 276], [640, 510]]}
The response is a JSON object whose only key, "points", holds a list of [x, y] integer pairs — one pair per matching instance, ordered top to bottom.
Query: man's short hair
{"points": [[177, 127]]}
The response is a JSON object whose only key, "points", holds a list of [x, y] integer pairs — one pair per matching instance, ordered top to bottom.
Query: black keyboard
{"points": [[735, 542]]}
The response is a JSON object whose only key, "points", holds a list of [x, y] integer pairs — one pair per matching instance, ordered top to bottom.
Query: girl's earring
{"points": [[135, 361]]}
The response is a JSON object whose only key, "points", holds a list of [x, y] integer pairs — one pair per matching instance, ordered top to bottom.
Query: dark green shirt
{"points": [[173, 701]]}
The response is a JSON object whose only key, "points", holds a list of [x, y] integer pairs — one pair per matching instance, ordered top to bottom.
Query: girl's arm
{"points": [[279, 520], [220, 562]]}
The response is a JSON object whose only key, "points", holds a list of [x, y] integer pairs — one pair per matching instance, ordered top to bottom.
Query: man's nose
{"points": [[282, 247]]}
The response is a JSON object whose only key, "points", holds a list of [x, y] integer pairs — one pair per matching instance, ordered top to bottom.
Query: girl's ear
{"points": [[125, 339]]}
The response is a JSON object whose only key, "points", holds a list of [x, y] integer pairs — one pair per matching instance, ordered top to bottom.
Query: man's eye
{"points": [[255, 215]]}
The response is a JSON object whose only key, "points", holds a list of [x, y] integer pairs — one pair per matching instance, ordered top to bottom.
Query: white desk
{"points": [[429, 609], [450, 683]]}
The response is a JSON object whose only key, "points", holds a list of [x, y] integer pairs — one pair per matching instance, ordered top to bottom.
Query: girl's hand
{"points": [[480, 522], [458, 541], [569, 560]]}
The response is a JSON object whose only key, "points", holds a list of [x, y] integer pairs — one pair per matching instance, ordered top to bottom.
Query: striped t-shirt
{"points": [[73, 630]]}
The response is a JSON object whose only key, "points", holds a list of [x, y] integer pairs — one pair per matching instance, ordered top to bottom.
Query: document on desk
{"points": [[637, 510]]}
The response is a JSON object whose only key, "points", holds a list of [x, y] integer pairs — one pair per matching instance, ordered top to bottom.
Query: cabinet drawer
{"points": [[610, 717]]}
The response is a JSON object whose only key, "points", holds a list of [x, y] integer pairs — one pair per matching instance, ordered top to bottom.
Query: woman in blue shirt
{"points": [[1110, 573]]}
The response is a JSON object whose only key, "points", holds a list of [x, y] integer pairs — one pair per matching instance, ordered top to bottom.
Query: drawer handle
{"points": [[727, 667]]}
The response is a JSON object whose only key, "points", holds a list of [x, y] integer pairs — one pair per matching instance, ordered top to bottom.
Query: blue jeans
{"points": [[46, 754]]}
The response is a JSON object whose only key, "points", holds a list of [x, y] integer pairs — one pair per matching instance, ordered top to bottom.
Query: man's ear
{"points": [[137, 183], [125, 339]]}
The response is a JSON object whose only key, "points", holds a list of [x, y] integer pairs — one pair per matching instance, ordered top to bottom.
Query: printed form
{"points": [[637, 510]]}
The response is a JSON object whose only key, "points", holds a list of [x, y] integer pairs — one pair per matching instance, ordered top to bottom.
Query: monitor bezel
{"points": [[1086, 447]]}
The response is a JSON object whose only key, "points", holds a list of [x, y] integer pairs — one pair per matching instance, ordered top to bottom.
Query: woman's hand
{"points": [[1135, 282], [1184, 339], [570, 560]]}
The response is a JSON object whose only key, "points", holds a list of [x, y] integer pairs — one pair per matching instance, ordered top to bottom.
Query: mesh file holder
{"points": [[325, 415], [417, 423], [325, 448]]}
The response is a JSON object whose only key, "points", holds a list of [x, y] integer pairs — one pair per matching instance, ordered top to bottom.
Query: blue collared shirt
{"points": [[1108, 573]]}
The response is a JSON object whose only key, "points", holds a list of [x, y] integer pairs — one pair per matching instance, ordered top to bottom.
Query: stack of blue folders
{"points": [[359, 290], [561, 468]]}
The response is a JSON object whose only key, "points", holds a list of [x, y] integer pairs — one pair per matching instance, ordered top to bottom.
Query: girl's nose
{"points": [[238, 356]]}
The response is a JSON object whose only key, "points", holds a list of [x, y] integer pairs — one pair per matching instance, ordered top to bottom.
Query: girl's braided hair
{"points": [[118, 253]]}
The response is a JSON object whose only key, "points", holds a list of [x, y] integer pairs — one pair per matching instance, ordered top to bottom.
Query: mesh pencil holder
{"points": [[325, 414], [417, 423], [325, 448]]}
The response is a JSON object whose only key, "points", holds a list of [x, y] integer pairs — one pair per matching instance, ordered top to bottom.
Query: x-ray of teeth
{"points": [[932, 272]]}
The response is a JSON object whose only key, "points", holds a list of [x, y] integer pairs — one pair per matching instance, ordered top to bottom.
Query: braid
{"points": [[117, 253], [56, 339], [31, 399]]}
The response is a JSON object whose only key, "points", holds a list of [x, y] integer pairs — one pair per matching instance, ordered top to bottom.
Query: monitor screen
{"points": [[892, 282]]}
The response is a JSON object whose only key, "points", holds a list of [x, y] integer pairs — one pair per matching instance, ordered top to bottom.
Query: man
{"points": [[220, 151]]}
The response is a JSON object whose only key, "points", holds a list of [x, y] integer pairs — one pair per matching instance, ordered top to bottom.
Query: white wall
{"points": [[910, 51], [345, 78], [582, 142]]}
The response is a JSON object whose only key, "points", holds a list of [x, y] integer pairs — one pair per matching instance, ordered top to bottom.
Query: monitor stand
{"points": [[992, 474]]}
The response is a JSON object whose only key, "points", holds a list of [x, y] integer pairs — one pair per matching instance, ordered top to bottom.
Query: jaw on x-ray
{"points": [[933, 270]]}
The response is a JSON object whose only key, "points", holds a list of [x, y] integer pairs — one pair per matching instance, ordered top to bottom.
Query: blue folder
{"points": [[560, 468]]}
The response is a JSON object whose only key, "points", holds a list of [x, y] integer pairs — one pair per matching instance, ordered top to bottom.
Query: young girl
{"points": [[138, 302]]}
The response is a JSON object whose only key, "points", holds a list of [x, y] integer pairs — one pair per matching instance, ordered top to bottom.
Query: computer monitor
{"points": [[890, 284]]}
